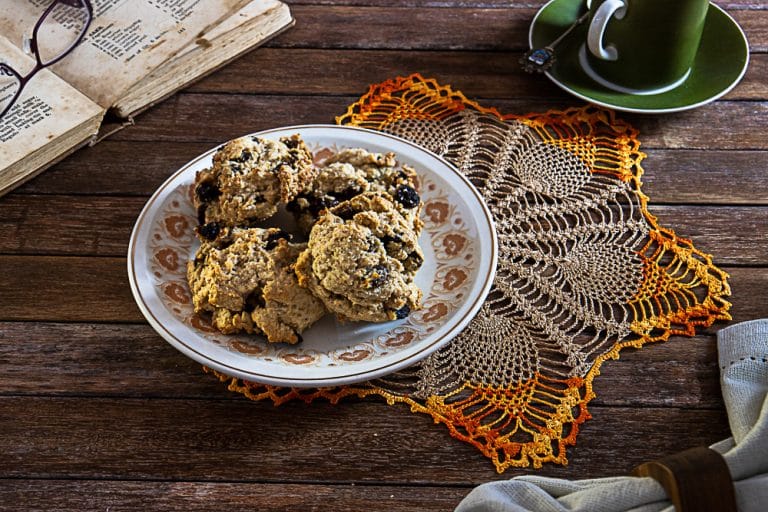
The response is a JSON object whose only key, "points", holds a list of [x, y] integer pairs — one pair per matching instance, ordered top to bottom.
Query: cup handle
{"points": [[600, 20]]}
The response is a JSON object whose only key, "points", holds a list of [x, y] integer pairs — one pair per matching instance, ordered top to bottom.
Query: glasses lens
{"points": [[60, 30], [9, 88]]}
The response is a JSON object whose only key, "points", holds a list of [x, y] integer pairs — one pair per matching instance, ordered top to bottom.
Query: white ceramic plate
{"points": [[460, 249]]}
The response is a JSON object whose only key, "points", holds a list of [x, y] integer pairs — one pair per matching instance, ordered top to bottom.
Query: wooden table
{"points": [[97, 412]]}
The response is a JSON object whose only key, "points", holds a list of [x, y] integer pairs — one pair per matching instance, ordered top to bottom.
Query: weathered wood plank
{"points": [[449, 4], [754, 22], [404, 28], [498, 29], [348, 72], [480, 74], [231, 115], [227, 116], [116, 168], [671, 176], [705, 177], [85, 225], [102, 225], [734, 235], [69, 289], [87, 289], [98, 360], [133, 361], [656, 374], [92, 393], [351, 442], [79, 495]]}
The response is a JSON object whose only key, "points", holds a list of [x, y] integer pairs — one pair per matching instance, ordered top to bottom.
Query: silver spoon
{"points": [[541, 59]]}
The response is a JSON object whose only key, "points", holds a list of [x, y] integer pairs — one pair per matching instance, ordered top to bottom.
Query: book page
{"points": [[252, 11], [245, 29], [126, 40], [47, 109]]}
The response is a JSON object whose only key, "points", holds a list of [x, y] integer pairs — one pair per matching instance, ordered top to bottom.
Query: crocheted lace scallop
{"points": [[584, 270]]}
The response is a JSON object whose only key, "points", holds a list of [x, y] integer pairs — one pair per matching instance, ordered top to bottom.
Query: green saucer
{"points": [[720, 62]]}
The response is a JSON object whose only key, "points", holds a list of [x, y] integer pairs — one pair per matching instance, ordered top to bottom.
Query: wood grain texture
{"points": [[497, 4], [427, 27], [406, 28], [330, 72], [482, 74], [232, 115], [115, 168], [705, 177], [708, 177], [102, 225], [95, 226], [729, 232], [70, 289], [86, 289], [86, 359], [112, 360], [98, 412], [248, 441], [138, 496]]}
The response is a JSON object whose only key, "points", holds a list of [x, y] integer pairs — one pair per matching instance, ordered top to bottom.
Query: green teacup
{"points": [[642, 46]]}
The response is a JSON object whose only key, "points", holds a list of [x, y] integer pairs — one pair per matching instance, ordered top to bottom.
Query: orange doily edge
{"points": [[549, 125]]}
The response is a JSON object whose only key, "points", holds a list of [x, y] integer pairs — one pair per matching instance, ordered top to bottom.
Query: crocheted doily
{"points": [[584, 270]]}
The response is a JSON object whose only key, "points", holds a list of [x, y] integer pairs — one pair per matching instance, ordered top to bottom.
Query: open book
{"points": [[136, 52]]}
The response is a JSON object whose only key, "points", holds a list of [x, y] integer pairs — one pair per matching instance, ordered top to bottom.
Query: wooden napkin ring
{"points": [[695, 480]]}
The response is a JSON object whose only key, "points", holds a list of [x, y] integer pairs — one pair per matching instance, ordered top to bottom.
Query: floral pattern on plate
{"points": [[446, 239], [459, 258]]}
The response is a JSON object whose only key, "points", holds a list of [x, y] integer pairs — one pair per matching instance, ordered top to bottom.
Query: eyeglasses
{"points": [[58, 31]]}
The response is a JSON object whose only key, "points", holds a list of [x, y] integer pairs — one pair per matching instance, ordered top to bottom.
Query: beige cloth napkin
{"points": [[743, 355]]}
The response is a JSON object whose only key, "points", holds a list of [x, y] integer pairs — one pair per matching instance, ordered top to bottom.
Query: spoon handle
{"points": [[569, 29], [539, 60]]}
